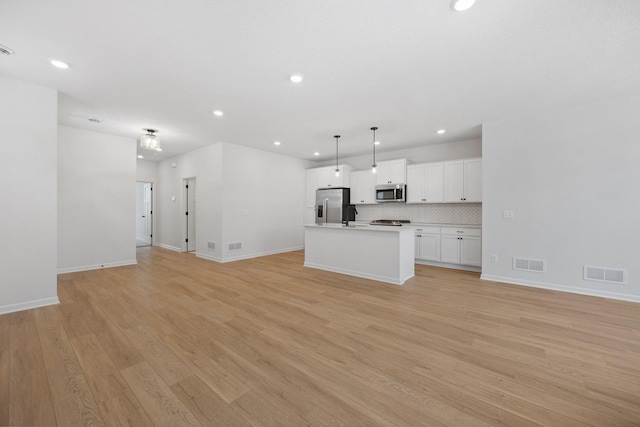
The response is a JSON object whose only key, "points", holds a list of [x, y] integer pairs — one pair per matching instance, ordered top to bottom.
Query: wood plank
{"points": [[5, 366], [72, 398], [30, 400], [161, 404]]}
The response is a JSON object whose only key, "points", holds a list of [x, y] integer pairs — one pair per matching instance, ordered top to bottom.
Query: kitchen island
{"points": [[382, 253]]}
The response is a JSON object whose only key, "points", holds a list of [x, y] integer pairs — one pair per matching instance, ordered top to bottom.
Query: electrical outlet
{"points": [[508, 214], [494, 258]]}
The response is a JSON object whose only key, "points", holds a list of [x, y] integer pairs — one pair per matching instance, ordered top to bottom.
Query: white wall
{"points": [[28, 143], [424, 154], [146, 170], [571, 177], [232, 180], [96, 200], [263, 202]]}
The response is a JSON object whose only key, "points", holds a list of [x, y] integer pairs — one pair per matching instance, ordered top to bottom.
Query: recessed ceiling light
{"points": [[460, 5], [59, 64], [296, 78], [218, 113], [441, 131], [276, 142], [376, 143], [158, 149], [316, 154], [140, 156]]}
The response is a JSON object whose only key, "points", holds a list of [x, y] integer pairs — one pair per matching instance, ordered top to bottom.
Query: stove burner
{"points": [[394, 222]]}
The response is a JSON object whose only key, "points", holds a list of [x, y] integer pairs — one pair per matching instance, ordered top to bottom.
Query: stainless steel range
{"points": [[393, 222]]}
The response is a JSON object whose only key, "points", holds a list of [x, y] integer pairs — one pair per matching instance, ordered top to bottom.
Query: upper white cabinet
{"points": [[391, 172], [325, 177], [463, 180], [425, 183], [363, 187]]}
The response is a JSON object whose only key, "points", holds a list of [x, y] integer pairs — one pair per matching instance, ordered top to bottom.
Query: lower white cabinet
{"points": [[428, 244], [449, 245], [461, 246]]}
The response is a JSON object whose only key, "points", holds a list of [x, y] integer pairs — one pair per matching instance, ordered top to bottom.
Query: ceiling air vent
{"points": [[5, 50], [525, 264], [602, 274]]}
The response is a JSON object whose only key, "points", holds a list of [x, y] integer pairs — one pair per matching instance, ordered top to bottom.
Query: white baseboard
{"points": [[171, 248], [246, 256], [96, 266], [452, 266], [357, 274], [562, 288], [11, 308]]}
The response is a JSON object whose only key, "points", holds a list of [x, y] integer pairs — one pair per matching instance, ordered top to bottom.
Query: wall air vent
{"points": [[5, 50], [211, 245], [235, 246], [526, 264], [603, 274]]}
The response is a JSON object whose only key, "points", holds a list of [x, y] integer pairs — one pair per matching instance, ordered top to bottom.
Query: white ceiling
{"points": [[409, 67]]}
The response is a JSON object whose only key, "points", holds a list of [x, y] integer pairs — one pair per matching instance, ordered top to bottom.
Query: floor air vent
{"points": [[525, 264], [602, 274]]}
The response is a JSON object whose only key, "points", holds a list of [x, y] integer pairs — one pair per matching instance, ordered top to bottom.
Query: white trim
{"points": [[171, 248], [248, 256], [96, 266], [451, 266], [391, 280], [562, 288], [11, 308]]}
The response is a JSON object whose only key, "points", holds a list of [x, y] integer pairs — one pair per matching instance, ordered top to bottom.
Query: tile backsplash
{"points": [[445, 213]]}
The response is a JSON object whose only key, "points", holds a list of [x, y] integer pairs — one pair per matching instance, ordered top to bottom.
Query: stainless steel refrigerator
{"points": [[332, 205]]}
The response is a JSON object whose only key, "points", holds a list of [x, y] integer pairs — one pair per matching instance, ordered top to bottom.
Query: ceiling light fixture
{"points": [[461, 5], [59, 64], [296, 78], [218, 113], [441, 131], [150, 141], [276, 142], [140, 156], [373, 165], [337, 168]]}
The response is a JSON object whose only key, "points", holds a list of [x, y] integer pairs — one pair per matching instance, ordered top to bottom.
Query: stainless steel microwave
{"points": [[391, 193]]}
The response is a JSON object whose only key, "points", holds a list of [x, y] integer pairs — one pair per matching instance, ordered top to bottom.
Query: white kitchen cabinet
{"points": [[391, 172], [325, 177], [463, 180], [425, 183], [363, 188], [428, 244], [461, 246]]}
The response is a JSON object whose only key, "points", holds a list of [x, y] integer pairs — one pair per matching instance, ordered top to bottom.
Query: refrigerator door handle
{"points": [[324, 208]]}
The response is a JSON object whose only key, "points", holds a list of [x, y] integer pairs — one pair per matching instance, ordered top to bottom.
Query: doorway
{"points": [[144, 212], [190, 213]]}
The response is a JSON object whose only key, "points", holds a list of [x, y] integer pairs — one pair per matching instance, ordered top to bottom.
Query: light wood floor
{"points": [[181, 341]]}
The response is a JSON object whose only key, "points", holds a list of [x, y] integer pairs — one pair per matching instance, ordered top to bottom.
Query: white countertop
{"points": [[362, 226]]}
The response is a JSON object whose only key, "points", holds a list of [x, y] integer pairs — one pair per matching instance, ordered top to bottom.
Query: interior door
{"points": [[146, 212], [191, 214]]}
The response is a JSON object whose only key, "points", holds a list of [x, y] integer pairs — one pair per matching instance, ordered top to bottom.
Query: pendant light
{"points": [[150, 140], [374, 166], [337, 168]]}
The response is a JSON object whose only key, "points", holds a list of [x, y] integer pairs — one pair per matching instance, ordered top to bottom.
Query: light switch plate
{"points": [[508, 214]]}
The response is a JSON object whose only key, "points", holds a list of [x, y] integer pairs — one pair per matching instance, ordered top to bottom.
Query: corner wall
{"points": [[571, 178], [96, 200], [28, 222]]}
